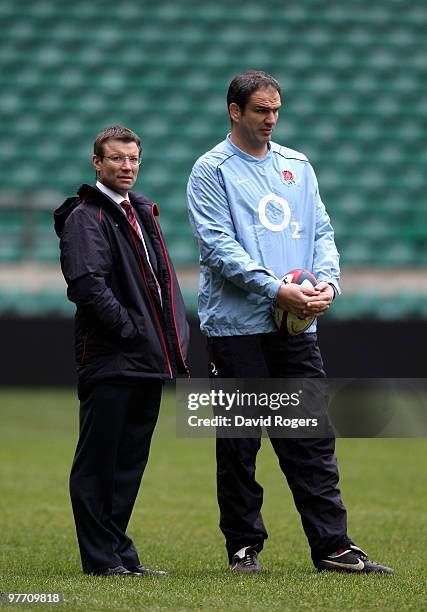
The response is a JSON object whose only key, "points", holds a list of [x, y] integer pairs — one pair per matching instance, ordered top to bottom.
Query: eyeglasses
{"points": [[118, 160]]}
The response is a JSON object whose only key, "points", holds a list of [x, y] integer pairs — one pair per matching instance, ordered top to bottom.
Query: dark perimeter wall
{"points": [[39, 351]]}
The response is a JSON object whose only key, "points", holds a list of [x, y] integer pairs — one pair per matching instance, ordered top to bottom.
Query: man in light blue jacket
{"points": [[256, 211]]}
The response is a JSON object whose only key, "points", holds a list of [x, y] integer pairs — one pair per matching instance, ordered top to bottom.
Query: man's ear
{"points": [[235, 112], [96, 162]]}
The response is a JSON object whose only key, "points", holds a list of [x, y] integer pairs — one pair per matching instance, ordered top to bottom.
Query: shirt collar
{"points": [[246, 156], [113, 195]]}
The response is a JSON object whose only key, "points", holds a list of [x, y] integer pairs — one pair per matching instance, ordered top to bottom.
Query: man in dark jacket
{"points": [[131, 335]]}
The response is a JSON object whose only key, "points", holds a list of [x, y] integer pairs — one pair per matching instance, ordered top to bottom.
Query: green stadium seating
{"points": [[354, 99]]}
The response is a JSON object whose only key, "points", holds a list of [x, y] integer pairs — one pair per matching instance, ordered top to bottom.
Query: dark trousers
{"points": [[116, 424], [309, 464]]}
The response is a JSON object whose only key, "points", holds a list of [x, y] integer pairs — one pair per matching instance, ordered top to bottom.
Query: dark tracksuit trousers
{"points": [[117, 420], [309, 464]]}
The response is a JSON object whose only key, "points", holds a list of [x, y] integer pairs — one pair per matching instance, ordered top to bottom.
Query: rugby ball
{"points": [[286, 321]]}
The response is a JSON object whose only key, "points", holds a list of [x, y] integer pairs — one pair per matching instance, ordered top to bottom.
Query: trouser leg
{"points": [[103, 416], [132, 459], [309, 464], [310, 468], [240, 496]]}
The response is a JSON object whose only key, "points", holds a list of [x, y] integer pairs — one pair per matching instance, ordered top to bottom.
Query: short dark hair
{"points": [[243, 85], [115, 132]]}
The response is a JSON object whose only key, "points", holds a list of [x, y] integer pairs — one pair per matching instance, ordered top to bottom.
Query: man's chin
{"points": [[264, 141], [125, 185]]}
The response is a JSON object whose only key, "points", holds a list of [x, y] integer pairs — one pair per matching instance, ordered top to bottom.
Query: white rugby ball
{"points": [[286, 321]]}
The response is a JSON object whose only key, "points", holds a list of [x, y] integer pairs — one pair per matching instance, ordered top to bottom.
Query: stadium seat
{"points": [[353, 78]]}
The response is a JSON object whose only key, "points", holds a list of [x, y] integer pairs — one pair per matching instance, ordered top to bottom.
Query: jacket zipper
{"points": [[135, 248], [165, 254], [84, 349]]}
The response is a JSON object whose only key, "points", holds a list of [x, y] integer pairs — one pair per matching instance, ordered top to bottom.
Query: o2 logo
{"points": [[285, 217]]}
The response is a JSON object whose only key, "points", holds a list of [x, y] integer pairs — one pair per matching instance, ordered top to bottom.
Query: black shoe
{"points": [[352, 559], [245, 560], [140, 569], [116, 571]]}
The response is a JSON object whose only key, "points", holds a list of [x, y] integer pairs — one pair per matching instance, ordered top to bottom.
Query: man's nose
{"points": [[271, 118], [126, 163]]}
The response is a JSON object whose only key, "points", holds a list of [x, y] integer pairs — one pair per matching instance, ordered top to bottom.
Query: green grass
{"points": [[175, 522]]}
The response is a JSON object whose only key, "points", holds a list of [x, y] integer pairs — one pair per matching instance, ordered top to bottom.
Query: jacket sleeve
{"points": [[212, 224], [326, 257], [86, 262]]}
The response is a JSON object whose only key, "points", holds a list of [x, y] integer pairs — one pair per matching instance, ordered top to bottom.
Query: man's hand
{"points": [[295, 299], [305, 302], [320, 304]]}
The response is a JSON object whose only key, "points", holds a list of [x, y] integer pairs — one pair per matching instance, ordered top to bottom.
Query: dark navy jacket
{"points": [[121, 329]]}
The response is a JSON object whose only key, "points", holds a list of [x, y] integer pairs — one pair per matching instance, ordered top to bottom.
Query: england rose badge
{"points": [[287, 177]]}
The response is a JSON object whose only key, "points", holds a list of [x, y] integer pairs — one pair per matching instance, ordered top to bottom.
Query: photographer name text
{"points": [[241, 421]]}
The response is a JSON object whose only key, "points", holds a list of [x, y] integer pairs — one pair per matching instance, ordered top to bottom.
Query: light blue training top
{"points": [[255, 220]]}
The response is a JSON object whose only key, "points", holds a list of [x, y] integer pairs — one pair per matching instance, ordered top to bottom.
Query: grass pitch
{"points": [[175, 520]]}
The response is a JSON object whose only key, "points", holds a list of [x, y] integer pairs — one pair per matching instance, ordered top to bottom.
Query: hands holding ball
{"points": [[300, 300]]}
